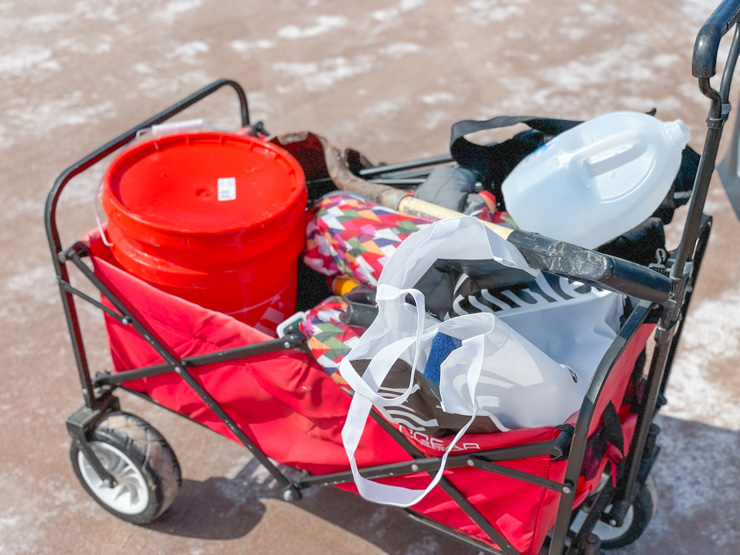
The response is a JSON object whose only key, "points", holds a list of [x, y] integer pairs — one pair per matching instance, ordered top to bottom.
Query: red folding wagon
{"points": [[578, 487]]}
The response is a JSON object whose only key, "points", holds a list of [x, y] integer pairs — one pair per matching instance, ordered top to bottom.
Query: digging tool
{"points": [[320, 159]]}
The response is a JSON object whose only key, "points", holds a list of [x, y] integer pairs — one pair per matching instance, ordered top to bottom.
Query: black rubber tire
{"points": [[151, 455], [643, 509]]}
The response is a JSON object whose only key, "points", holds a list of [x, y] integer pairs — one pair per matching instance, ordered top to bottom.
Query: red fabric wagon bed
{"points": [[293, 410]]}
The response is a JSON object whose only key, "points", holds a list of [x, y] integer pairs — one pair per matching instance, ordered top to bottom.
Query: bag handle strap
{"points": [[492, 163], [367, 385], [359, 411], [397, 496]]}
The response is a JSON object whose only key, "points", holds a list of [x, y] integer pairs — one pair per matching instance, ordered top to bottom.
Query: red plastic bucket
{"points": [[215, 218]]}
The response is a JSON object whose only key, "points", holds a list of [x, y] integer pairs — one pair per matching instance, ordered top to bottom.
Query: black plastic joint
{"points": [[259, 128], [660, 268], [669, 329], [294, 338], [86, 418], [84, 421], [561, 444], [291, 493], [615, 517], [591, 545]]}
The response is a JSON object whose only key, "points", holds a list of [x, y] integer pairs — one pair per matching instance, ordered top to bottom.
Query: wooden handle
{"points": [[388, 196], [417, 207]]}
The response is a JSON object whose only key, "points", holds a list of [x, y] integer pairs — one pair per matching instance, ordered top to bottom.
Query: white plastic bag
{"points": [[495, 372]]}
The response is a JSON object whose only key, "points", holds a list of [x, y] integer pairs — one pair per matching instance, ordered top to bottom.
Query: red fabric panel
{"points": [[616, 383], [614, 391], [284, 401], [294, 411], [523, 512]]}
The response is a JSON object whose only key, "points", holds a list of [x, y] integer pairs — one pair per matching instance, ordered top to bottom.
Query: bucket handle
{"points": [[176, 127], [156, 131], [106, 242]]}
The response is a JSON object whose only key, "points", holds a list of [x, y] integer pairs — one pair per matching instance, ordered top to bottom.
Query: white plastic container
{"points": [[598, 180]]}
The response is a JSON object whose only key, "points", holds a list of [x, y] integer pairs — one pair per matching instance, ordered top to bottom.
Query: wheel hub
{"points": [[130, 494]]}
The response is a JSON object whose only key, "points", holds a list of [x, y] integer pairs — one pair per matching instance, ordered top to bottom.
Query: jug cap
{"points": [[677, 132]]}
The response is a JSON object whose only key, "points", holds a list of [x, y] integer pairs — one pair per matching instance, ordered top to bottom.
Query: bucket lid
{"points": [[201, 184]]}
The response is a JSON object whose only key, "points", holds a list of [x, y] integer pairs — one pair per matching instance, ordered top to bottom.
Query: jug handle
{"points": [[597, 162]]}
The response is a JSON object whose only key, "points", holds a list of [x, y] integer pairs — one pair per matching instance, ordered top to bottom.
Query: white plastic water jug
{"points": [[598, 180]]}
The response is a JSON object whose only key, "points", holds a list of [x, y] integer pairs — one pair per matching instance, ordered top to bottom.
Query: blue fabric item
{"points": [[442, 346]]}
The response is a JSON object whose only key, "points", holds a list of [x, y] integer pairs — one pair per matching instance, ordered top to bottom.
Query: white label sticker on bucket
{"points": [[226, 188]]}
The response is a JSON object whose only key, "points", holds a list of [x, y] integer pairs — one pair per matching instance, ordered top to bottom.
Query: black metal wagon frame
{"points": [[667, 307]]}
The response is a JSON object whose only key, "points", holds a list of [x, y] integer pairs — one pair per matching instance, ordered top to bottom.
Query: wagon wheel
{"points": [[144, 467], [635, 521]]}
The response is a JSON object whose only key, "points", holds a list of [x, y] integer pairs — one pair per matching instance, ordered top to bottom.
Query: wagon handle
{"points": [[706, 47]]}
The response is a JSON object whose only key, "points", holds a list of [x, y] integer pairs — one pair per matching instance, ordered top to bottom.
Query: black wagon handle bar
{"points": [[726, 15], [96, 156]]}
